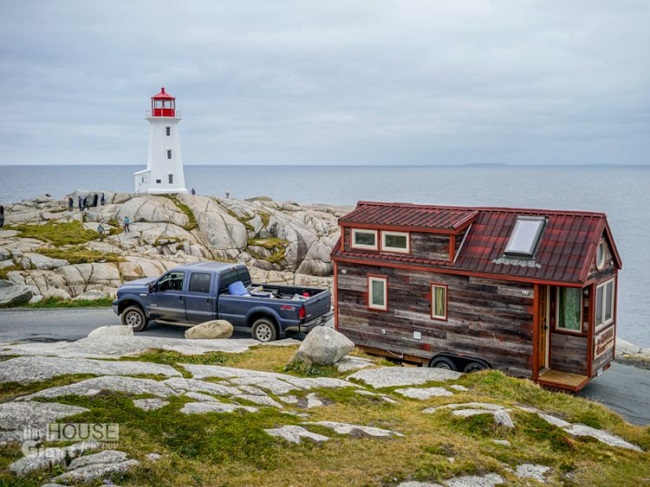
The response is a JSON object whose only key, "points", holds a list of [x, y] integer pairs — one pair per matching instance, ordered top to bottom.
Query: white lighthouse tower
{"points": [[164, 173]]}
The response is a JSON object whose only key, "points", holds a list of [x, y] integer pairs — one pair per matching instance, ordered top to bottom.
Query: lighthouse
{"points": [[164, 173]]}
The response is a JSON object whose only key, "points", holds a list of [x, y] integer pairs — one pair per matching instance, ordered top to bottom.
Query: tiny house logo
{"points": [[109, 432]]}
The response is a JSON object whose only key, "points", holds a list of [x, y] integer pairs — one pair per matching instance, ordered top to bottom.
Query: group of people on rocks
{"points": [[84, 204]]}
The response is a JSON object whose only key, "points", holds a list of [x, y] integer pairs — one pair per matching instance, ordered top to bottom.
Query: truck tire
{"points": [[134, 317], [264, 330], [443, 363]]}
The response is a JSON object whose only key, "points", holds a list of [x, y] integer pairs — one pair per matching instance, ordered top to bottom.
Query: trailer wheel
{"points": [[134, 318], [264, 330], [443, 363], [474, 367]]}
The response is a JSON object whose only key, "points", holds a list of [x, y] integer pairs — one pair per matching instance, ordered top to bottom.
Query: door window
{"points": [[171, 282], [200, 282], [569, 309]]}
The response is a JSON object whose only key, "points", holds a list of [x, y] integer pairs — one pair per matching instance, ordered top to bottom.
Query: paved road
{"points": [[622, 388]]}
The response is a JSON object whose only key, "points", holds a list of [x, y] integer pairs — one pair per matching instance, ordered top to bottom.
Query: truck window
{"points": [[227, 278], [171, 282], [200, 282]]}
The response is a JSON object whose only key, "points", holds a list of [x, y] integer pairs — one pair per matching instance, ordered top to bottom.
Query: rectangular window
{"points": [[168, 131], [169, 154], [171, 179], [158, 181], [364, 239], [395, 242], [200, 282], [377, 293], [439, 301], [605, 303], [569, 309]]}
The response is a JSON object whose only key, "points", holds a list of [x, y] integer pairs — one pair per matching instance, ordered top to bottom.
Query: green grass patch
{"points": [[192, 223], [68, 233], [277, 246], [80, 255], [4, 272], [64, 303], [168, 357], [12, 390]]}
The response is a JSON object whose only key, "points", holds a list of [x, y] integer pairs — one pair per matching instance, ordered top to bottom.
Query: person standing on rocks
{"points": [[95, 199], [102, 200], [70, 203], [81, 206], [2, 216], [127, 221], [101, 231]]}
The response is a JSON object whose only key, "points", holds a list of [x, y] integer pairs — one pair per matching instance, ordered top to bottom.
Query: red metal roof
{"points": [[163, 95], [409, 215], [564, 254]]}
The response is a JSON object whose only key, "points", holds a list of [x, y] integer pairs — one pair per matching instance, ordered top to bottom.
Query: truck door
{"points": [[168, 299], [200, 302]]}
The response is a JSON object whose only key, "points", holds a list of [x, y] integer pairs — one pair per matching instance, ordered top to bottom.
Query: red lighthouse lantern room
{"points": [[163, 105]]}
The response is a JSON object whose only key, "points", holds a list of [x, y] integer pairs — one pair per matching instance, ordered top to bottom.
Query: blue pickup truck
{"points": [[204, 291]]}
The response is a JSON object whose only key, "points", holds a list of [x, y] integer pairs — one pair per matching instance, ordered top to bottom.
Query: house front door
{"points": [[543, 327]]}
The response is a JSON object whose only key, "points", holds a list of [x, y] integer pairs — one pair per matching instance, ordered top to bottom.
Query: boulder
{"points": [[13, 295], [210, 330], [111, 331], [323, 346]]}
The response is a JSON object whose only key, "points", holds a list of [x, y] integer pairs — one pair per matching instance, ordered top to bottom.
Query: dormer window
{"points": [[525, 236], [364, 239], [395, 242]]}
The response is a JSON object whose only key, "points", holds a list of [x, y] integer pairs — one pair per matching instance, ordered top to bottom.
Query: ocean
{"points": [[622, 192]]}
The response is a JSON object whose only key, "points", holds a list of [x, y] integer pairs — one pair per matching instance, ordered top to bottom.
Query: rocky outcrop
{"points": [[282, 243]]}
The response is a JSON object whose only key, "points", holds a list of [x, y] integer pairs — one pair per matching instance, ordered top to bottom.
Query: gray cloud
{"points": [[337, 82]]}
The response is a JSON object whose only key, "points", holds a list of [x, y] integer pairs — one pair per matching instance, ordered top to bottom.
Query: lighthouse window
{"points": [[168, 131], [169, 154], [171, 179], [158, 181]]}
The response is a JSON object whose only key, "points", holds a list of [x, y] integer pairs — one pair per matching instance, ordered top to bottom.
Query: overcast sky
{"points": [[328, 81]]}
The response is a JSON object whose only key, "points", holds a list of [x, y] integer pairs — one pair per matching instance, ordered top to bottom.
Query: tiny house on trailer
{"points": [[529, 292]]}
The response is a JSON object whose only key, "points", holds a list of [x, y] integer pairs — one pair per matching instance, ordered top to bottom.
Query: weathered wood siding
{"points": [[428, 246], [487, 319], [569, 353]]}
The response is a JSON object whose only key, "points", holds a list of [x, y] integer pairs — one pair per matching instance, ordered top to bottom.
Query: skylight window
{"points": [[525, 236]]}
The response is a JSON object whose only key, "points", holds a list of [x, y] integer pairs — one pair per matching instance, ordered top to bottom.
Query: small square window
{"points": [[158, 181], [364, 239], [377, 293]]}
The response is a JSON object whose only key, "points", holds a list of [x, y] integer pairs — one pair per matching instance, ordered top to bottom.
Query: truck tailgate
{"points": [[318, 305]]}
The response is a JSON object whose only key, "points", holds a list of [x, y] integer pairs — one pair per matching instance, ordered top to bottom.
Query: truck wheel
{"points": [[134, 317], [264, 330], [443, 363], [474, 367]]}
